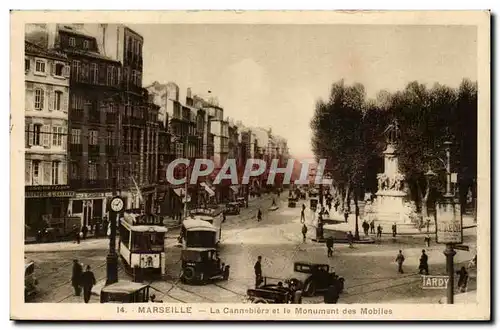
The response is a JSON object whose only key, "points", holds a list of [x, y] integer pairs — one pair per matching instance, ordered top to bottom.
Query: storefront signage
{"points": [[46, 188], [45, 194], [93, 195], [448, 223]]}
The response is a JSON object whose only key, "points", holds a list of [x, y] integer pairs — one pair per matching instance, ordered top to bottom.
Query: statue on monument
{"points": [[392, 132]]}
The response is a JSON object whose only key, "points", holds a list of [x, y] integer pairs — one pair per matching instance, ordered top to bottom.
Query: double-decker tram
{"points": [[212, 216], [142, 242]]}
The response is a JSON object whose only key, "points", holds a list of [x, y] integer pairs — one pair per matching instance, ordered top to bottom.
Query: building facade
{"points": [[47, 191]]}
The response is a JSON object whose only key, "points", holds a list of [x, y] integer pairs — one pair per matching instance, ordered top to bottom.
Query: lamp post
{"points": [[428, 175]]}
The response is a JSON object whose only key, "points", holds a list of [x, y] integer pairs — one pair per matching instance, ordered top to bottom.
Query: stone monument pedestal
{"points": [[390, 207]]}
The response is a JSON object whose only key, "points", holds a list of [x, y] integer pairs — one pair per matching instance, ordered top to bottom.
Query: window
{"points": [[72, 42], [85, 44], [26, 65], [40, 66], [59, 69], [75, 69], [85, 72], [94, 73], [109, 79], [39, 98], [58, 100], [77, 102], [57, 134], [76, 134], [37, 135], [93, 137], [110, 138], [92, 170], [74, 171], [35, 172], [55, 172]]}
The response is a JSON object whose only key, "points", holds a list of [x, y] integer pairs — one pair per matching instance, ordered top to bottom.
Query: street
{"points": [[369, 269]]}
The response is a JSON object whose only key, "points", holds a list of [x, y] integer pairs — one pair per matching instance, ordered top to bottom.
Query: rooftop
{"points": [[31, 48]]}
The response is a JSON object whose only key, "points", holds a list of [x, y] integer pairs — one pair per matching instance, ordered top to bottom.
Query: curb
{"points": [[345, 241]]}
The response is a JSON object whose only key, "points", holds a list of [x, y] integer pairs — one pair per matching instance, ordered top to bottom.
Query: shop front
{"points": [[43, 202], [89, 206]]}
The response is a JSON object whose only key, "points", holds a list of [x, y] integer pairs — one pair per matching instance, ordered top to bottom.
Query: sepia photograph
{"points": [[192, 165]]}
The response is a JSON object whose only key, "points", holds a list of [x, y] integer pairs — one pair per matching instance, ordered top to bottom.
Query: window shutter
{"points": [[52, 68], [67, 71], [28, 97], [51, 99], [65, 102], [30, 134], [46, 136], [64, 138], [47, 168], [27, 172], [64, 173]]}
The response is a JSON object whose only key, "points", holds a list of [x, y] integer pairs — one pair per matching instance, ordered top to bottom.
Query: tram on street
{"points": [[213, 217], [197, 233], [142, 242]]}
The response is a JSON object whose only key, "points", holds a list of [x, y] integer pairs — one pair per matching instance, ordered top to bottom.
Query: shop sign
{"points": [[46, 188], [45, 194], [93, 195]]}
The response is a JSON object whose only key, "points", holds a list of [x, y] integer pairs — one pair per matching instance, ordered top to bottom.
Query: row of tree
{"points": [[348, 131]]}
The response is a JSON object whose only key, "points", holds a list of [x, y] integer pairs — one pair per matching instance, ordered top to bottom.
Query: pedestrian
{"points": [[274, 202], [336, 205], [303, 214], [346, 214], [259, 215], [223, 217], [366, 227], [372, 227], [394, 230], [379, 231], [84, 232], [304, 232], [77, 235], [350, 239], [427, 240], [329, 246], [400, 258], [423, 265], [258, 271], [76, 277], [463, 278], [88, 281]]}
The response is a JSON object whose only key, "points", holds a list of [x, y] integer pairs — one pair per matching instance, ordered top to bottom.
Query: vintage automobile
{"points": [[313, 193], [241, 201], [292, 202], [313, 204], [232, 208], [202, 265], [316, 277], [30, 281], [125, 292], [288, 292]]}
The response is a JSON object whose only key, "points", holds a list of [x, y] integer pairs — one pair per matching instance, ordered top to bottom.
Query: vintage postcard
{"points": [[191, 165]]}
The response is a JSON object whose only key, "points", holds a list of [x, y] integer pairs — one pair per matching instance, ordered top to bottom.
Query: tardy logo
{"points": [[435, 282]]}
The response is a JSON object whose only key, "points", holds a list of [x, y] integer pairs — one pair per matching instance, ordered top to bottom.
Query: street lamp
{"points": [[428, 176]]}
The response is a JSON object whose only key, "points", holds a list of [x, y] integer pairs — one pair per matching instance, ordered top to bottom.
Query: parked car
{"points": [[232, 208]]}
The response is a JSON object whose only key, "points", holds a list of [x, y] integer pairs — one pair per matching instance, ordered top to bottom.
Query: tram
{"points": [[212, 216], [197, 233], [142, 242]]}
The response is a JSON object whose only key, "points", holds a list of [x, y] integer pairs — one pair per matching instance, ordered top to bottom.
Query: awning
{"points": [[208, 189], [235, 189], [180, 192]]}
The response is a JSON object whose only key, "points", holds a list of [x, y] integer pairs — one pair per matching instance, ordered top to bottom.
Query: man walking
{"points": [[303, 214], [346, 214], [259, 215], [366, 227], [372, 227], [394, 230], [379, 231], [304, 232], [350, 239], [329, 246], [400, 258], [423, 266], [258, 271], [76, 277], [88, 281]]}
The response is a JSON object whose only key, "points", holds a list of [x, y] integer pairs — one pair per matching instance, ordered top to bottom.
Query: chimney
{"points": [[188, 93]]}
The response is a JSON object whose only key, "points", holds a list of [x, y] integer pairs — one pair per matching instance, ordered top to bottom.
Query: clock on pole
{"points": [[116, 204]]}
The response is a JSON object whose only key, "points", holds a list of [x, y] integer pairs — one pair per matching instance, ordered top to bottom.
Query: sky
{"points": [[272, 75]]}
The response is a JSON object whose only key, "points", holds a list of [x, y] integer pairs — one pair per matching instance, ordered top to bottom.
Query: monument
{"points": [[391, 203]]}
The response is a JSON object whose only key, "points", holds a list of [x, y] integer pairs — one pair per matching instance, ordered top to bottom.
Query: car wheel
{"points": [[189, 274]]}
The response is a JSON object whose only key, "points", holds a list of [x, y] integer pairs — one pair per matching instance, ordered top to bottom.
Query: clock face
{"points": [[117, 204]]}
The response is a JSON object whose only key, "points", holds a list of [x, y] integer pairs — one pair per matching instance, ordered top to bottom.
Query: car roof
{"points": [[198, 224], [199, 249], [309, 264], [124, 287]]}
